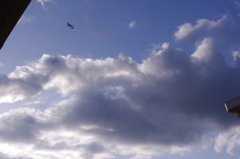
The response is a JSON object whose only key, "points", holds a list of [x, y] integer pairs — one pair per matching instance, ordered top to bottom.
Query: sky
{"points": [[136, 79]]}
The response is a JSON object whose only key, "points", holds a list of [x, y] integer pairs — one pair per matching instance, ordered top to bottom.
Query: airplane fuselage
{"points": [[70, 25]]}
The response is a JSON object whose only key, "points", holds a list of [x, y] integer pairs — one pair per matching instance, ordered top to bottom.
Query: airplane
{"points": [[71, 26], [54, 61]]}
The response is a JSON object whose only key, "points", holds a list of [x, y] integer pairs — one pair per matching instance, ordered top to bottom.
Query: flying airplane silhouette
{"points": [[71, 26]]}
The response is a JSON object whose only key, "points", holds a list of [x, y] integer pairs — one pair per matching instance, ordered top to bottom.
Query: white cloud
{"points": [[43, 2], [26, 19], [132, 24], [224, 31], [236, 55], [1, 64], [34, 102], [168, 103], [229, 140], [206, 143]]}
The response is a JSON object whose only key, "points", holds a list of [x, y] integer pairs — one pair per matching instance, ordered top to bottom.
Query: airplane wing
{"points": [[70, 25]]}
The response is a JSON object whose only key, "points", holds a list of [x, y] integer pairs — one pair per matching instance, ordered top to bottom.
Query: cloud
{"points": [[43, 2], [237, 4], [26, 19], [132, 24], [224, 31], [1, 64], [34, 103], [169, 103], [229, 140]]}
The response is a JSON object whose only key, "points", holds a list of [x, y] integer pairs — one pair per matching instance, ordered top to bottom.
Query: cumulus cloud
{"points": [[132, 24], [225, 31], [169, 103]]}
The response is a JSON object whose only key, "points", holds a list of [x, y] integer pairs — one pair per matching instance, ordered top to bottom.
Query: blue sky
{"points": [[137, 79]]}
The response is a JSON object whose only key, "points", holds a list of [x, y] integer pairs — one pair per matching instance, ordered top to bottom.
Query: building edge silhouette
{"points": [[10, 13]]}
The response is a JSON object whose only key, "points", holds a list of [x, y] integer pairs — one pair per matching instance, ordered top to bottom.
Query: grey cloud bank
{"points": [[168, 103]]}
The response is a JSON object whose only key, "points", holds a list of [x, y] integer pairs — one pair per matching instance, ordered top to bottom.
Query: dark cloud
{"points": [[177, 101], [22, 125]]}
